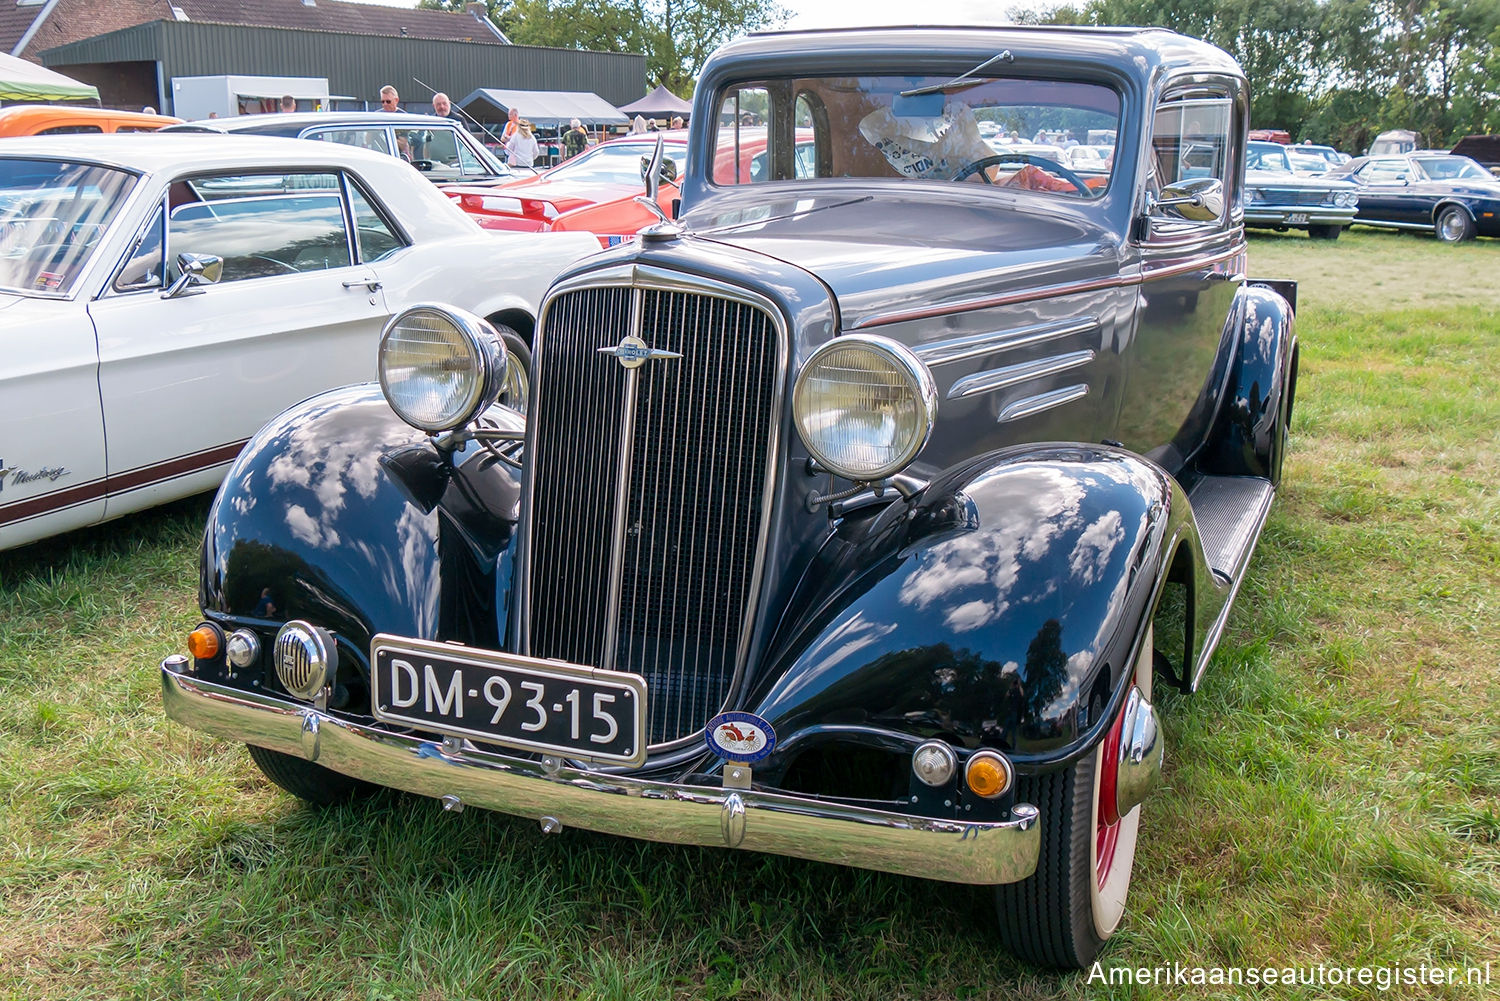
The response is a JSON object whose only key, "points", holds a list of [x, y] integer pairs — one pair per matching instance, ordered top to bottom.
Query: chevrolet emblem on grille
{"points": [[634, 352]]}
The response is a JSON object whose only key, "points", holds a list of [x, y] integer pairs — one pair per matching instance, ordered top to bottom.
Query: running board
{"points": [[1230, 512]]}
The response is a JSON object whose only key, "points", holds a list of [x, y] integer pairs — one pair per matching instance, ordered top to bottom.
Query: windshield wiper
{"points": [[1002, 56]]}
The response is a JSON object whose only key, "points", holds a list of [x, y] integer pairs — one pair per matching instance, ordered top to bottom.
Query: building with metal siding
{"points": [[142, 60]]}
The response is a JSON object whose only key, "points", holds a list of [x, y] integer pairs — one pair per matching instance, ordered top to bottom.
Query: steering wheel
{"points": [[1046, 163]]}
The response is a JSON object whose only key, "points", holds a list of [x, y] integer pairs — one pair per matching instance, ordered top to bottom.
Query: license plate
{"points": [[1297, 217], [534, 705]]}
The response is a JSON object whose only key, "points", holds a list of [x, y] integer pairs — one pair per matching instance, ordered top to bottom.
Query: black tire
{"points": [[1453, 225], [1324, 232], [517, 379], [307, 781], [1052, 917], [1046, 918]]}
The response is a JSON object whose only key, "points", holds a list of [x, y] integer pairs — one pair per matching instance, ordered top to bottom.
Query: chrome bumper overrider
{"points": [[956, 851]]}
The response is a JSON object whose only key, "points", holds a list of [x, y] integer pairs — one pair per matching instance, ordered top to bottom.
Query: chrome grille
{"points": [[697, 433], [293, 665]]}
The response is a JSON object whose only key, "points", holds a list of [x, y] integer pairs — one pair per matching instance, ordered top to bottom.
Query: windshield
{"points": [[981, 130], [1267, 156], [622, 163], [1453, 168], [52, 215]]}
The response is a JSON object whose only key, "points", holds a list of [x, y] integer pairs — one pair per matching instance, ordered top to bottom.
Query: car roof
{"points": [[1139, 49], [23, 112], [307, 119], [154, 151]]}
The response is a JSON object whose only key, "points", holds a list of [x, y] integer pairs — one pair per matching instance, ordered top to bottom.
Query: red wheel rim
{"points": [[1107, 830]]}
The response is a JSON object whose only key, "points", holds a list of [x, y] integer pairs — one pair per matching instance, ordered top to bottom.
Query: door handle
{"points": [[373, 284]]}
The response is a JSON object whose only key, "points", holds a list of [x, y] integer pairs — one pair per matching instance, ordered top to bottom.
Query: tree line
{"points": [[1339, 71]]}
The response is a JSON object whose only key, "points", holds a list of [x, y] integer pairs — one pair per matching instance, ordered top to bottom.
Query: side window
{"points": [[742, 120], [70, 130], [363, 138], [1190, 139], [432, 151], [1385, 170], [262, 225], [377, 240], [142, 269]]}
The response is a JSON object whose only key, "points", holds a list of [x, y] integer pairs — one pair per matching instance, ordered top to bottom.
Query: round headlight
{"points": [[440, 366], [864, 406]]}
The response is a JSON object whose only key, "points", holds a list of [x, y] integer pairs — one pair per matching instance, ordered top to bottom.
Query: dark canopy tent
{"points": [[660, 103], [544, 109]]}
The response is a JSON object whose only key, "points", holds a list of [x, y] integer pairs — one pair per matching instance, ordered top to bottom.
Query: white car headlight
{"points": [[440, 366], [864, 406]]}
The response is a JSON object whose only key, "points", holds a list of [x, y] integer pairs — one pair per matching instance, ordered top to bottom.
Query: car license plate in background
{"points": [[1297, 217], [501, 698]]}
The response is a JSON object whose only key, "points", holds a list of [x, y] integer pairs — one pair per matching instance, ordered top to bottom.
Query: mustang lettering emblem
{"points": [[633, 352]]}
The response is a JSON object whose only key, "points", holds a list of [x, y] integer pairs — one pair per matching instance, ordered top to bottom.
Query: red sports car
{"points": [[594, 192]]}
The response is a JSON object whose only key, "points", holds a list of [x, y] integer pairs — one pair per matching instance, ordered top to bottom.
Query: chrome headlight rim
{"points": [[487, 355], [905, 361]]}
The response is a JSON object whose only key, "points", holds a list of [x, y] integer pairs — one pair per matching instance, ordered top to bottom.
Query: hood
{"points": [[883, 253], [9, 299]]}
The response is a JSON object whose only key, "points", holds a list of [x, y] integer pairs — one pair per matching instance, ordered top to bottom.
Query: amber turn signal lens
{"points": [[205, 641], [988, 774]]}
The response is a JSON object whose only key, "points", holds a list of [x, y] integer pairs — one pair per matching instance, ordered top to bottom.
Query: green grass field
{"points": [[1331, 793]]}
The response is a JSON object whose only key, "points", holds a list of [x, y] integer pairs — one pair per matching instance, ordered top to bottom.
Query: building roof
{"points": [[340, 15], [47, 24], [28, 27], [543, 108]]}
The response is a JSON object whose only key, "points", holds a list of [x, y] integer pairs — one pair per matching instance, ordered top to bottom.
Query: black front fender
{"points": [[340, 513], [1001, 608]]}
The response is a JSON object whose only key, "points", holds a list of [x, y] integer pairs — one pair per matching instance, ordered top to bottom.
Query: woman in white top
{"points": [[521, 148]]}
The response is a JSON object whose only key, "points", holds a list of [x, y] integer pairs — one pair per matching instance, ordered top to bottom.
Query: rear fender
{"points": [[1249, 432], [1001, 607]]}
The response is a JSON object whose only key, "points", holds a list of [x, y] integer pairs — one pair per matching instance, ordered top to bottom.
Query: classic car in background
{"points": [[60, 119], [1395, 141], [441, 148], [1483, 150], [1331, 156], [594, 192], [1452, 196], [1278, 198], [132, 376], [858, 516]]}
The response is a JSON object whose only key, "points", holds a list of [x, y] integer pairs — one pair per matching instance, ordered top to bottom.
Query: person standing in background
{"points": [[389, 99], [288, 104], [442, 107], [677, 122], [512, 123], [575, 140], [521, 148]]}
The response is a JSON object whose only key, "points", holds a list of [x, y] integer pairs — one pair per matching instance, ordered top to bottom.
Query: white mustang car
{"points": [[130, 376]]}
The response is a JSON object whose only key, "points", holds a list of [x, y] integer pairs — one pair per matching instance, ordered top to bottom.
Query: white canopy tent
{"points": [[23, 81]]}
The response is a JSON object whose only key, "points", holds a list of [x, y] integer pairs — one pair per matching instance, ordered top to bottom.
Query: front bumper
{"points": [[1317, 215], [951, 850]]}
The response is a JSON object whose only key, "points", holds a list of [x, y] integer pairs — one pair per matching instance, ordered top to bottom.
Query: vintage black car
{"points": [[1451, 196], [856, 514]]}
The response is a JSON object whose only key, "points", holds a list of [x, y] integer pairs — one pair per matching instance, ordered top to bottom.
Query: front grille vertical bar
{"points": [[622, 497]]}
